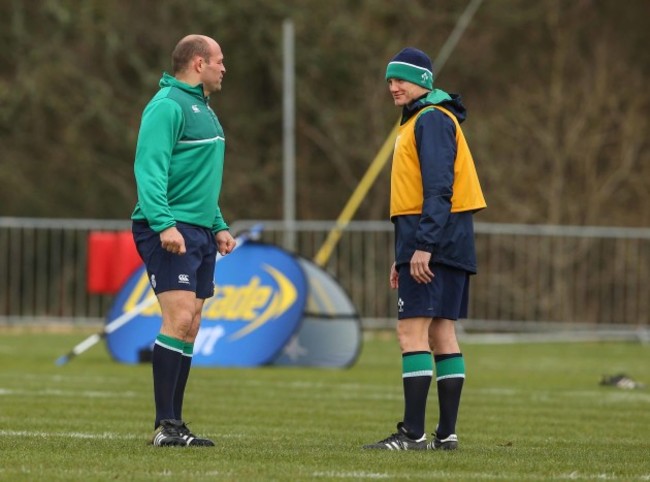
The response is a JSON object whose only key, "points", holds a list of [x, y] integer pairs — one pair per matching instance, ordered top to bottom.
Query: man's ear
{"points": [[197, 63]]}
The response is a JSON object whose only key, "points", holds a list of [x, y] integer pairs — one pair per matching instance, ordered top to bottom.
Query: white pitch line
{"points": [[68, 393], [79, 435], [96, 436], [351, 475], [358, 475]]}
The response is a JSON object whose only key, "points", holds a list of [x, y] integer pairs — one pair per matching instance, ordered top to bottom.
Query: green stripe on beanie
{"points": [[412, 65], [411, 73]]}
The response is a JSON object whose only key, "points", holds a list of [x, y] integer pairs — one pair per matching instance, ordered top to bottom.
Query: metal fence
{"points": [[43, 268], [529, 275]]}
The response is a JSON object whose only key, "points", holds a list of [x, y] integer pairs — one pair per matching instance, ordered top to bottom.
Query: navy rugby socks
{"points": [[166, 361], [417, 372], [183, 375], [450, 375]]}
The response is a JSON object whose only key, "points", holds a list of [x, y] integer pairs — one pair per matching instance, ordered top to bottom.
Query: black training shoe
{"points": [[168, 434], [192, 440], [400, 441], [449, 443]]}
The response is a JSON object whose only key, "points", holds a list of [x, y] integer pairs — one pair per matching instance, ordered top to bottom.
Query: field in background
{"points": [[529, 412]]}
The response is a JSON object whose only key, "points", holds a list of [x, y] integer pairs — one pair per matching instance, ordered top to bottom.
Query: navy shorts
{"points": [[193, 271], [445, 296]]}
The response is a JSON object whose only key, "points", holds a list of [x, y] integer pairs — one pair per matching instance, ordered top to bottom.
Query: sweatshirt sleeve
{"points": [[160, 129], [435, 135], [219, 224]]}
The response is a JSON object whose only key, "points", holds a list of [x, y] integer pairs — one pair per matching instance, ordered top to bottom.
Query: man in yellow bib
{"points": [[434, 193]]}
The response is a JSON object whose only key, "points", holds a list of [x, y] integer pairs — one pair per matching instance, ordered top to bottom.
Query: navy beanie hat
{"points": [[412, 65]]}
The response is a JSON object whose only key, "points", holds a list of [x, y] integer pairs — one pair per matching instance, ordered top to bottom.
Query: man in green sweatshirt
{"points": [[177, 223]]}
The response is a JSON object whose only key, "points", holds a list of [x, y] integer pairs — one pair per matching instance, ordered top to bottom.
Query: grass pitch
{"points": [[529, 412]]}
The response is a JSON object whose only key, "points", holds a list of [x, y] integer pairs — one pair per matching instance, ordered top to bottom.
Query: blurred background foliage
{"points": [[556, 93]]}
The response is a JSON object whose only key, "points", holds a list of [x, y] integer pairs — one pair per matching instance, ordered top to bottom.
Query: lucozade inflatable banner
{"points": [[269, 307], [330, 333]]}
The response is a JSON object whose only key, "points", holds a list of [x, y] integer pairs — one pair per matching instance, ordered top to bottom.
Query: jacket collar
{"points": [[168, 80]]}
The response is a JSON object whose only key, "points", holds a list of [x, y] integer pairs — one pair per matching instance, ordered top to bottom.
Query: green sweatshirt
{"points": [[179, 159]]}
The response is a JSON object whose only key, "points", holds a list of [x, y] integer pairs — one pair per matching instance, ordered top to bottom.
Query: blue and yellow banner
{"points": [[258, 304]]}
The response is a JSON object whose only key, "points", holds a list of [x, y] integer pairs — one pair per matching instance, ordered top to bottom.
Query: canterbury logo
{"points": [[184, 278]]}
